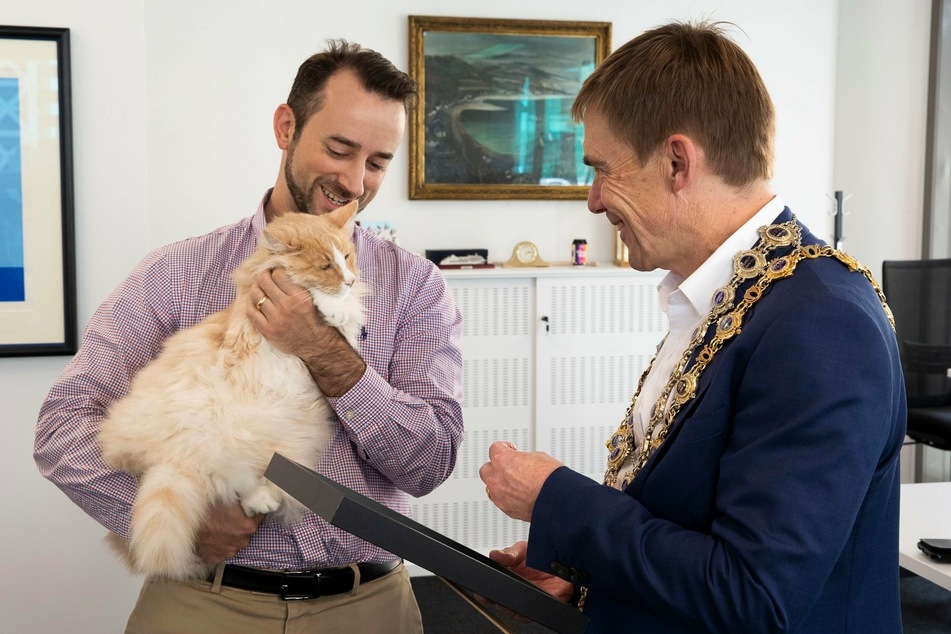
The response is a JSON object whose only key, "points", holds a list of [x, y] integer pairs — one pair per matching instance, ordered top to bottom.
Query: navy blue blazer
{"points": [[773, 504]]}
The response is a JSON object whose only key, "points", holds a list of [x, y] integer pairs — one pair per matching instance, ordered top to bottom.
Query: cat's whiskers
{"points": [[305, 297]]}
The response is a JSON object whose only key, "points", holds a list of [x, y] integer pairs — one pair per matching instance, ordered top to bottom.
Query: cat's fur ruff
{"points": [[200, 423]]}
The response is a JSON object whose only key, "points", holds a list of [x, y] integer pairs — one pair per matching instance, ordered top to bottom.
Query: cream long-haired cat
{"points": [[200, 423]]}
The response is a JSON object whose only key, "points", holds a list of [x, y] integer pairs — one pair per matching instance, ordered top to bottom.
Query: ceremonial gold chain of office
{"points": [[747, 265]]}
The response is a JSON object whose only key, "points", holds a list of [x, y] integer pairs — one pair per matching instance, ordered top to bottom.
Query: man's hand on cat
{"points": [[289, 320], [226, 531]]}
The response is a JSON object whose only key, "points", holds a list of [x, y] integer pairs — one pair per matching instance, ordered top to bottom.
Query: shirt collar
{"points": [[258, 221], [716, 271]]}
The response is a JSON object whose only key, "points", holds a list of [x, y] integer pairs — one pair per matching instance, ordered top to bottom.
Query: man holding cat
{"points": [[398, 400]]}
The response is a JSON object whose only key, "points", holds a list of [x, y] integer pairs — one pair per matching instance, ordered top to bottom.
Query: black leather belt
{"points": [[303, 584]]}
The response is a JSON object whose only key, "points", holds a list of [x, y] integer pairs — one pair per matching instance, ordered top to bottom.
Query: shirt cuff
{"points": [[362, 406]]}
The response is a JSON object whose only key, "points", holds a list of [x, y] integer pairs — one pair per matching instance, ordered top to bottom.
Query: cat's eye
{"points": [[325, 267]]}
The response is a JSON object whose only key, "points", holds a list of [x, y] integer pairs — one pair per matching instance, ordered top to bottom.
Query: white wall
{"points": [[215, 79], [172, 110], [880, 121], [57, 574]]}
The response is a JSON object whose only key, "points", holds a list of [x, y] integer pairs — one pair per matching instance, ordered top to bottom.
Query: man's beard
{"points": [[306, 201]]}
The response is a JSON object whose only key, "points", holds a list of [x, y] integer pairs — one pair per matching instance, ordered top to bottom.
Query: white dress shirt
{"points": [[687, 303]]}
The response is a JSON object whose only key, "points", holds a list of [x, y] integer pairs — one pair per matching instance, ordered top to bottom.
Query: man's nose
{"points": [[351, 179], [595, 204]]}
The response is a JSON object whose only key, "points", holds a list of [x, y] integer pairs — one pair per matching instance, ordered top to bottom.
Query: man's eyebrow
{"points": [[356, 146]]}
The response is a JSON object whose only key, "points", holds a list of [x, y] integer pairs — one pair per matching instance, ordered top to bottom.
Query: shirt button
{"points": [[349, 415]]}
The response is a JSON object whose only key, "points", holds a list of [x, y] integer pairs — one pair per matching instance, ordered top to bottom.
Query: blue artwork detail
{"points": [[12, 283]]}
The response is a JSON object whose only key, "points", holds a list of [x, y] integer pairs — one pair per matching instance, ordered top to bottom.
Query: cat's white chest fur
{"points": [[344, 309]]}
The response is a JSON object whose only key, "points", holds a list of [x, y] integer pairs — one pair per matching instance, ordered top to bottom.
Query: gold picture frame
{"points": [[493, 119], [621, 252]]}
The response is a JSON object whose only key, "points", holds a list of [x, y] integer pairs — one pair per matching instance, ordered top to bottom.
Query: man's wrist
{"points": [[333, 364], [339, 379]]}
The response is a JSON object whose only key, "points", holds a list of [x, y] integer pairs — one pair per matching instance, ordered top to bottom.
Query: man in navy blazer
{"points": [[753, 484]]}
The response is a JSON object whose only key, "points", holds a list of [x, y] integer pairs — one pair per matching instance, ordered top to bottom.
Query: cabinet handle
{"points": [[547, 326]]}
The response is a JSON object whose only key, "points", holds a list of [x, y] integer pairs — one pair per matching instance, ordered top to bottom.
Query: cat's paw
{"points": [[335, 318], [261, 500]]}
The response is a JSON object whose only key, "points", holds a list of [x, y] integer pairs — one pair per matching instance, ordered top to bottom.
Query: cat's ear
{"points": [[340, 216], [272, 242]]}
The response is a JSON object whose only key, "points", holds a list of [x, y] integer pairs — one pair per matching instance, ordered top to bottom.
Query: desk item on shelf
{"points": [[383, 229], [579, 252], [621, 252], [525, 254], [460, 258], [464, 262]]}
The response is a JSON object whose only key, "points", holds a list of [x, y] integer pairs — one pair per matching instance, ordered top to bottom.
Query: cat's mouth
{"points": [[333, 198], [320, 296]]}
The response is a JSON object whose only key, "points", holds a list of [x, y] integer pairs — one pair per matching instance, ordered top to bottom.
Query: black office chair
{"points": [[919, 294]]}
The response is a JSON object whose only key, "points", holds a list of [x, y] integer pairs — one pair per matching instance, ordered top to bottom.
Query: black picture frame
{"points": [[37, 239]]}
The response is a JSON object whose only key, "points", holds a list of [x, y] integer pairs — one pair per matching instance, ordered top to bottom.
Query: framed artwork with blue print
{"points": [[37, 247]]}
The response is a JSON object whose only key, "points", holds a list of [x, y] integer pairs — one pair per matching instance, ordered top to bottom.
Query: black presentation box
{"points": [[402, 536]]}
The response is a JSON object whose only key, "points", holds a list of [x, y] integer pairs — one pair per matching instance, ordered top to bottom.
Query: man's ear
{"points": [[283, 126], [682, 159]]}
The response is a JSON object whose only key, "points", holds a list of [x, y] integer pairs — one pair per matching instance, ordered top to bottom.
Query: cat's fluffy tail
{"points": [[168, 511]]}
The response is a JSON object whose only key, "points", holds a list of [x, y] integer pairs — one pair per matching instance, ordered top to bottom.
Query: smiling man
{"points": [[340, 151], [397, 401], [752, 485]]}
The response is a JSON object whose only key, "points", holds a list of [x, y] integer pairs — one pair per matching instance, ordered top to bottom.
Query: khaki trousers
{"points": [[385, 605]]}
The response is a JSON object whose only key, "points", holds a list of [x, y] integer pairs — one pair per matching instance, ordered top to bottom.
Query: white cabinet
{"points": [[551, 358]]}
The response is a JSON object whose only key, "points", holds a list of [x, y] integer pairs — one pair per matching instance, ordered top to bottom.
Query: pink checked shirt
{"points": [[400, 425]]}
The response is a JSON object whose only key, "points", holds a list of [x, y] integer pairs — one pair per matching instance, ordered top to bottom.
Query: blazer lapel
{"points": [[709, 372]]}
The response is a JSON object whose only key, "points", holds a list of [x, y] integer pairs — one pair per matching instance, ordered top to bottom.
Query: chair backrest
{"points": [[919, 294]]}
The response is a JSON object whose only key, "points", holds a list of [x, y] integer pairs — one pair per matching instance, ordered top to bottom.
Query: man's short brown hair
{"points": [[376, 73], [689, 79]]}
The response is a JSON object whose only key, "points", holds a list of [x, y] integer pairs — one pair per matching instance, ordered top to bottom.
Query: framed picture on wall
{"points": [[494, 115], [37, 252]]}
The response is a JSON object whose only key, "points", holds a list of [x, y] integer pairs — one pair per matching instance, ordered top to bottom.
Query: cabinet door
{"points": [[598, 335], [549, 363], [498, 399]]}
